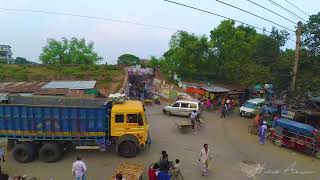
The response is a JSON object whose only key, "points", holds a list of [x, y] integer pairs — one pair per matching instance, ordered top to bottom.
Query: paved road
{"points": [[237, 154]]}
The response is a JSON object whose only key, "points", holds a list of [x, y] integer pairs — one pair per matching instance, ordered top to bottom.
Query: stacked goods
{"points": [[117, 98], [129, 171]]}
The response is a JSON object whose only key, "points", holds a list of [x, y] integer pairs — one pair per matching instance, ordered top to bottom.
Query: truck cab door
{"points": [[134, 124], [118, 127]]}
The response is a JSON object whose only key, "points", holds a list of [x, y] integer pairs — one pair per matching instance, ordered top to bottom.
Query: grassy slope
{"points": [[108, 77]]}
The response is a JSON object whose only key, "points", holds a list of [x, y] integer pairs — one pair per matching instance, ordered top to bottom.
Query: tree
{"points": [[311, 34], [280, 36], [73, 51], [239, 54], [266, 56], [128, 59], [21, 60], [154, 62]]}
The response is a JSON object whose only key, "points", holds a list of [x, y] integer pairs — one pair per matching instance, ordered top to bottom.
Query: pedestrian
{"points": [[219, 101], [208, 103], [224, 108], [262, 132], [1, 155], [163, 155], [204, 158], [164, 163], [79, 169], [153, 171], [176, 171], [163, 175], [3, 176], [119, 177]]}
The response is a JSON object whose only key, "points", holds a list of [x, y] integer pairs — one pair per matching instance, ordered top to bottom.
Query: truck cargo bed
{"points": [[53, 122]]}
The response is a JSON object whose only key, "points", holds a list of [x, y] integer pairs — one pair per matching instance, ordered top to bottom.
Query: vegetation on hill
{"points": [[73, 51], [128, 59], [107, 76]]}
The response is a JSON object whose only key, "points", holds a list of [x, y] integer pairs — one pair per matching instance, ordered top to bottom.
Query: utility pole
{"points": [[296, 60]]}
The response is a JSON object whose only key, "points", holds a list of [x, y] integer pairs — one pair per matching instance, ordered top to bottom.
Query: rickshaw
{"points": [[295, 135]]}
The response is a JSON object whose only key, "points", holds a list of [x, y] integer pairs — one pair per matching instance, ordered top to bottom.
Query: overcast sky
{"points": [[26, 32]]}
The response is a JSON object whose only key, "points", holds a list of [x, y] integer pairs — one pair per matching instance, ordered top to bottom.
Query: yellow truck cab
{"points": [[129, 127]]}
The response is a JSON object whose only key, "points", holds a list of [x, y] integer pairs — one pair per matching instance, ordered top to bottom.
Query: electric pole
{"points": [[296, 61]]}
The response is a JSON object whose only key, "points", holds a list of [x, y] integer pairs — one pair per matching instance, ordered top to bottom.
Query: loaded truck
{"points": [[45, 127]]}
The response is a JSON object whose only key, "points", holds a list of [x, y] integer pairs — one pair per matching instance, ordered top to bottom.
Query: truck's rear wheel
{"points": [[127, 149], [23, 152], [50, 152]]}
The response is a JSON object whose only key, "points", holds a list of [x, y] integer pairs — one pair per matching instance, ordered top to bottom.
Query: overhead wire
{"points": [[297, 8], [286, 10], [271, 11], [215, 14], [255, 15], [90, 17], [134, 23]]}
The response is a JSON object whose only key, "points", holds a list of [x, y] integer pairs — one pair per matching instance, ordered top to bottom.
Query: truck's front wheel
{"points": [[127, 149], [50, 152], [23, 153]]}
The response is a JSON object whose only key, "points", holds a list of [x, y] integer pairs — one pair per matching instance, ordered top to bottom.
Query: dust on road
{"points": [[237, 155]]}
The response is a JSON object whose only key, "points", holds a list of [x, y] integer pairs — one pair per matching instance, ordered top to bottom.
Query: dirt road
{"points": [[237, 155]]}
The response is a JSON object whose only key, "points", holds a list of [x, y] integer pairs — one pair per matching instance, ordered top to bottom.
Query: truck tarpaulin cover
{"points": [[195, 90], [57, 101], [54, 122], [294, 126]]}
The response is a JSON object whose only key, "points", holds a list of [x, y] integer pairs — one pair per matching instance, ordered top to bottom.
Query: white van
{"points": [[182, 108], [249, 108]]}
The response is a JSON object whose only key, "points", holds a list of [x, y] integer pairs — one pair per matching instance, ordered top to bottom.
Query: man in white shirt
{"points": [[193, 118], [79, 169]]}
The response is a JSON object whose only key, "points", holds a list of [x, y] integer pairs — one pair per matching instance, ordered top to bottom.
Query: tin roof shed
{"points": [[70, 85], [216, 89]]}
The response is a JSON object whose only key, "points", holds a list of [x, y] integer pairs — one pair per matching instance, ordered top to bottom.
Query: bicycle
{"points": [[199, 124], [24, 177]]}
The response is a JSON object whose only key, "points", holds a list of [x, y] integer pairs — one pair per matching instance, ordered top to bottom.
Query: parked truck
{"points": [[45, 127]]}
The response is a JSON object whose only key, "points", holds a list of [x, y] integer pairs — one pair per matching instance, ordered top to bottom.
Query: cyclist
{"points": [[193, 118]]}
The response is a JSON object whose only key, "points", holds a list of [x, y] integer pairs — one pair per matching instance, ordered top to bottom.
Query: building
{"points": [[5, 54]]}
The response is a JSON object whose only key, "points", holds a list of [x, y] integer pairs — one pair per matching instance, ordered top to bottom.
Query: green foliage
{"points": [[311, 34], [281, 36], [73, 51], [234, 54], [238, 54], [128, 59], [21, 60], [154, 62], [103, 74]]}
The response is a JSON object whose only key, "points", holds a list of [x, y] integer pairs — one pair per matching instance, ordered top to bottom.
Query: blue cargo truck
{"points": [[36, 127]]}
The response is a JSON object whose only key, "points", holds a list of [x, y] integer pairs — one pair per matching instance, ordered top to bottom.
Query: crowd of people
{"points": [[224, 104], [168, 170]]}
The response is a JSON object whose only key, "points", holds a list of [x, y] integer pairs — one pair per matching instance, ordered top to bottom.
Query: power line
{"points": [[191, 7], [297, 8], [286, 9], [271, 11], [254, 15], [90, 17], [225, 17]]}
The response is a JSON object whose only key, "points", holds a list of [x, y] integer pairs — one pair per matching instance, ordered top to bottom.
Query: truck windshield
{"points": [[249, 105]]}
